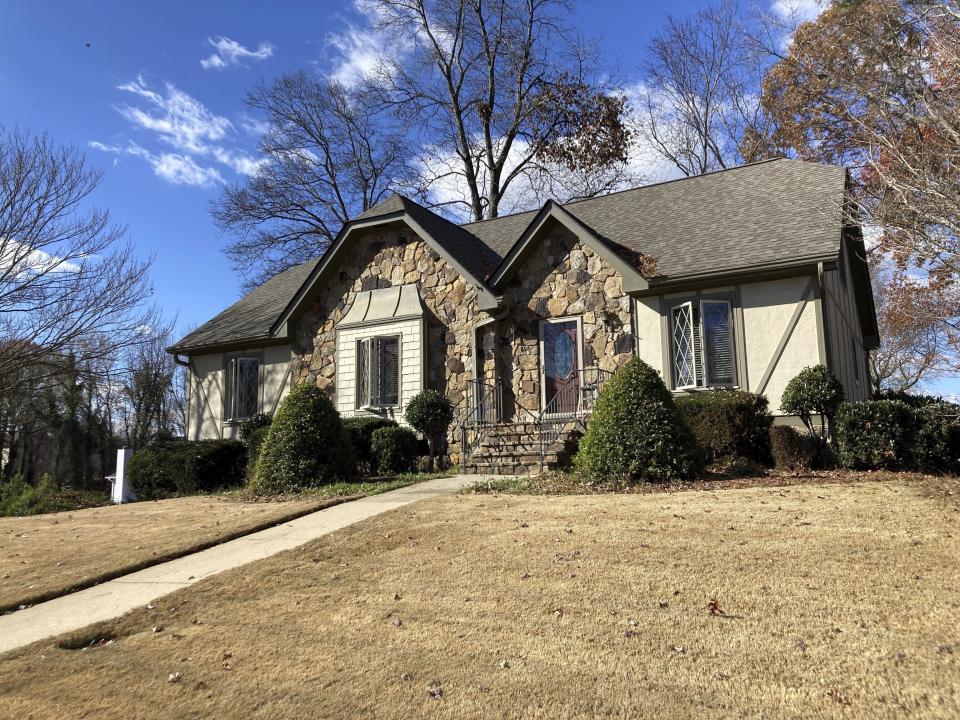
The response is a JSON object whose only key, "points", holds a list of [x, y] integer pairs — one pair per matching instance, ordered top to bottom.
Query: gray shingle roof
{"points": [[768, 212], [771, 212], [252, 316]]}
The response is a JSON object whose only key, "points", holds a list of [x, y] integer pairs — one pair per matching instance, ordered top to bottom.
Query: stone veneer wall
{"points": [[383, 259], [562, 278]]}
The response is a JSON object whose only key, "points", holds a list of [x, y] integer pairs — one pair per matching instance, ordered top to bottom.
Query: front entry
{"points": [[560, 363]]}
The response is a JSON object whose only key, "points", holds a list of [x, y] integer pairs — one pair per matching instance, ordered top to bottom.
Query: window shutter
{"points": [[717, 342], [390, 371], [363, 373], [231, 389]]}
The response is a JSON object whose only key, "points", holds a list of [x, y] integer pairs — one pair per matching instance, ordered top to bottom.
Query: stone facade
{"points": [[381, 259], [562, 278]]}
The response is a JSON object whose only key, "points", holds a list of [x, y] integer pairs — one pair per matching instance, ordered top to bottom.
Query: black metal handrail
{"points": [[571, 405], [483, 410]]}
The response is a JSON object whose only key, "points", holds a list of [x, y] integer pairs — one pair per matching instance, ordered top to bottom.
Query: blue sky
{"points": [[153, 94], [167, 125]]}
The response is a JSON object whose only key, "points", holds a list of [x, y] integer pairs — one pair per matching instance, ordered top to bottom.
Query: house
{"points": [[735, 279]]}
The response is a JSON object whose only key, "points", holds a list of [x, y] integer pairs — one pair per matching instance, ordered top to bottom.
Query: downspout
{"points": [[186, 364]]}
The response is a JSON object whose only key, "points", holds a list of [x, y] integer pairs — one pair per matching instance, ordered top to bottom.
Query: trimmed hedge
{"points": [[813, 391], [430, 414], [252, 424], [729, 424], [361, 429], [636, 432], [898, 435], [307, 445], [394, 450], [794, 450], [182, 467]]}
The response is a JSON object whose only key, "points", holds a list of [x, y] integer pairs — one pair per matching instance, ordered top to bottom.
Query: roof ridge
{"points": [[651, 185]]}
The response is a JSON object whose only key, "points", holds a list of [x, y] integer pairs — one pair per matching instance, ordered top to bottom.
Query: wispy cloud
{"points": [[798, 11], [360, 46], [230, 52], [179, 119], [193, 140], [175, 168]]}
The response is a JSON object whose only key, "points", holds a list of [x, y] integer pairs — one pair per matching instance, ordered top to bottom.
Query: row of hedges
{"points": [[895, 434], [178, 467], [18, 497]]}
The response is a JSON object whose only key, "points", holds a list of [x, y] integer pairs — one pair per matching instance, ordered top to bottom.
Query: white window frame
{"points": [[701, 363], [367, 372], [233, 380], [674, 380]]}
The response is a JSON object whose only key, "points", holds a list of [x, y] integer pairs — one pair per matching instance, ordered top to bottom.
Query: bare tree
{"points": [[875, 85], [700, 89], [498, 94], [327, 157], [69, 285]]}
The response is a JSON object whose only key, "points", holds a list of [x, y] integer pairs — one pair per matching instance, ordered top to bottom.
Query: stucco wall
{"points": [[767, 310], [412, 363], [207, 381]]}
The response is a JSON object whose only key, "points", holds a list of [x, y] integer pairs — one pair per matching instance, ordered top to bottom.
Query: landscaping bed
{"points": [[45, 556], [826, 599]]}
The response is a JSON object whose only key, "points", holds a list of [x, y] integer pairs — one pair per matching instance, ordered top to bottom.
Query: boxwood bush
{"points": [[813, 391], [430, 414], [729, 424], [361, 429], [636, 432], [886, 434], [254, 443], [307, 445], [394, 450], [794, 450], [183, 467]]}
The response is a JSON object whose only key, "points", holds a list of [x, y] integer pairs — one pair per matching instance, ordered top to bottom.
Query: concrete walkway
{"points": [[116, 597]]}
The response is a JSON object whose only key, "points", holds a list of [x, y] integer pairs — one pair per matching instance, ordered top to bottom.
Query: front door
{"points": [[560, 348]]}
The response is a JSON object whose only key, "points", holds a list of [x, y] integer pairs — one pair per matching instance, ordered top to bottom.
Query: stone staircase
{"points": [[513, 448]]}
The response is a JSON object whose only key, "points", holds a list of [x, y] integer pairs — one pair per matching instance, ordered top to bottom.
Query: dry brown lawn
{"points": [[43, 556], [808, 601]]}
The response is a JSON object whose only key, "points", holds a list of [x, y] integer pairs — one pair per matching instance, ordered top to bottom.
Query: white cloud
{"points": [[798, 11], [358, 50], [230, 52], [179, 119], [199, 138], [175, 168], [18, 259]]}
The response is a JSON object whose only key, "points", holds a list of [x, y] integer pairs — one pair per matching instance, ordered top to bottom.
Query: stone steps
{"points": [[514, 449]]}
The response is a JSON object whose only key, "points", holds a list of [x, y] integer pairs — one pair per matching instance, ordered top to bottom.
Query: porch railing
{"points": [[570, 406], [482, 412]]}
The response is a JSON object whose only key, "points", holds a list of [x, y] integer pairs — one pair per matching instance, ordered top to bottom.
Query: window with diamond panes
{"points": [[702, 345], [684, 350], [378, 372], [244, 387]]}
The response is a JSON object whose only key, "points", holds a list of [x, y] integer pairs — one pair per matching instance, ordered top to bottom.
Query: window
{"points": [[702, 345], [378, 372], [243, 389]]}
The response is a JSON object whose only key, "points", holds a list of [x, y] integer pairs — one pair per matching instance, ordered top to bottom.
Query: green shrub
{"points": [[814, 391], [430, 414], [253, 423], [729, 424], [361, 429], [636, 432], [899, 435], [254, 443], [307, 445], [394, 450], [794, 450], [182, 467], [18, 497]]}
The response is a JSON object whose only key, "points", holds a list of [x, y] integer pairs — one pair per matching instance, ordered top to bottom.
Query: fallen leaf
{"points": [[174, 677]]}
